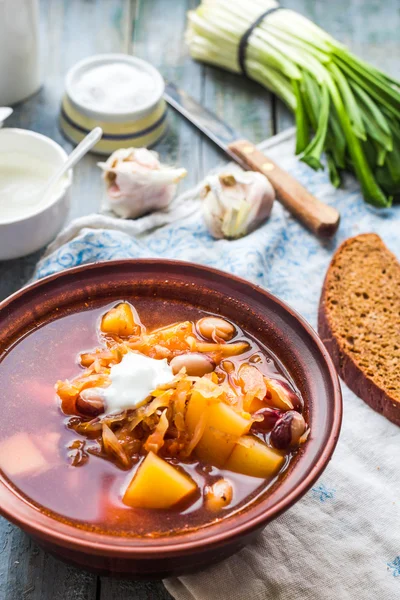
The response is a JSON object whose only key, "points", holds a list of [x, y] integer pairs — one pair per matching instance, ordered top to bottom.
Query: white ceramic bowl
{"points": [[27, 234]]}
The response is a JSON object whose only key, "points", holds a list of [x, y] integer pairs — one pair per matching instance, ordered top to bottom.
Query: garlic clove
{"points": [[137, 183], [235, 203]]}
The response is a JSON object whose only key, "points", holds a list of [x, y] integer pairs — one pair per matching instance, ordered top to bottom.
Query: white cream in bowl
{"points": [[22, 177], [29, 221]]}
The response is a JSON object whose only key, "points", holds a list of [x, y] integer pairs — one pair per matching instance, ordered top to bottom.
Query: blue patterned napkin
{"points": [[342, 540]]}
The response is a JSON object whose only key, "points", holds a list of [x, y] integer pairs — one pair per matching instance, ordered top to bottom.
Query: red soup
{"points": [[145, 417]]}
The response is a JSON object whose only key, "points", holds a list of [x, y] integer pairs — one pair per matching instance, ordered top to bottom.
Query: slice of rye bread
{"points": [[359, 321]]}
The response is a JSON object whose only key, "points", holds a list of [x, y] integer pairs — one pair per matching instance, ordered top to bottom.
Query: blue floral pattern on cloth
{"points": [[281, 256], [323, 493], [394, 566]]}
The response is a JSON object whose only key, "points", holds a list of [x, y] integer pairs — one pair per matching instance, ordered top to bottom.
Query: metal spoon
{"points": [[82, 148]]}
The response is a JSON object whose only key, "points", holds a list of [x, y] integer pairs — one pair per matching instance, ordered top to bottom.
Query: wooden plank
{"points": [[369, 28], [75, 29], [71, 30], [158, 37], [242, 103], [246, 107], [283, 117], [14, 273], [29, 573], [118, 589]]}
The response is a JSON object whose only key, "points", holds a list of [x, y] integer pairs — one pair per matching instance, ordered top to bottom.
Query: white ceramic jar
{"points": [[19, 50], [121, 94]]}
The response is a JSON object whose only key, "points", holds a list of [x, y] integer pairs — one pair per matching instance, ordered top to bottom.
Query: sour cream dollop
{"points": [[133, 379]]}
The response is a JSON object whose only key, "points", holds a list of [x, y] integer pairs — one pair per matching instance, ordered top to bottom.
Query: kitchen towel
{"points": [[341, 541]]}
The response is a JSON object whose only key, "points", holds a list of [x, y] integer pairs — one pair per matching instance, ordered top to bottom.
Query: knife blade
{"points": [[321, 219]]}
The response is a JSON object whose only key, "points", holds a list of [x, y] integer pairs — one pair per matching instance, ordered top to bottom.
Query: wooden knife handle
{"points": [[321, 219]]}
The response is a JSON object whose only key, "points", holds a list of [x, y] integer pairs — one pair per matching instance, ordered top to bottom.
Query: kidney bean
{"points": [[214, 328], [196, 364], [90, 402], [269, 417], [288, 430], [218, 495]]}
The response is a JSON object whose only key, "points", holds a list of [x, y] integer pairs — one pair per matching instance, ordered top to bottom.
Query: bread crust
{"points": [[354, 377]]}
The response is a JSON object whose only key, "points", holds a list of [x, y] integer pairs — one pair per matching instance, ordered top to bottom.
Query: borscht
{"points": [[145, 417]]}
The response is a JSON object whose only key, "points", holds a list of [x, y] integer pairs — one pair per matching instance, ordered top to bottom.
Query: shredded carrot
{"points": [[159, 425]]}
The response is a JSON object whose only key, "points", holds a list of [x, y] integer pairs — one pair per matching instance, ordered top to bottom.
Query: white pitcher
{"points": [[19, 50]]}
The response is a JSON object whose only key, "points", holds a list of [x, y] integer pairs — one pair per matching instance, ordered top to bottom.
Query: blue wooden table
{"points": [[153, 29]]}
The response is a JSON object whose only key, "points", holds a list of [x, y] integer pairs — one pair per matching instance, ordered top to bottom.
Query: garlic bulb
{"points": [[138, 183], [235, 203]]}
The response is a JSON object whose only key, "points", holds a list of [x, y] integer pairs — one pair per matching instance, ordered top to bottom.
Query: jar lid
{"points": [[114, 87]]}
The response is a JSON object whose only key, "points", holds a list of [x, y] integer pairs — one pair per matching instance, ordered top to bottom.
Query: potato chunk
{"points": [[119, 321], [205, 393], [198, 404], [224, 427], [19, 455], [252, 457], [157, 484]]}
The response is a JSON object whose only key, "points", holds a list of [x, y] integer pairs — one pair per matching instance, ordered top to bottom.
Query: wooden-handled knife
{"points": [[321, 219]]}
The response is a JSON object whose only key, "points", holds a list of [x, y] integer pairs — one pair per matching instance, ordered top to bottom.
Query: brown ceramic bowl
{"points": [[261, 314]]}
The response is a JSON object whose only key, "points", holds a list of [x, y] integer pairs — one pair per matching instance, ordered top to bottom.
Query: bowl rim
{"points": [[57, 197], [104, 544]]}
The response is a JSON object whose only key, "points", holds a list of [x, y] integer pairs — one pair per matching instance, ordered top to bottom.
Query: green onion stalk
{"points": [[343, 106]]}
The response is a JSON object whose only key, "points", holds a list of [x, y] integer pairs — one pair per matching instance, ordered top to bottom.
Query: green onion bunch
{"points": [[343, 106]]}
